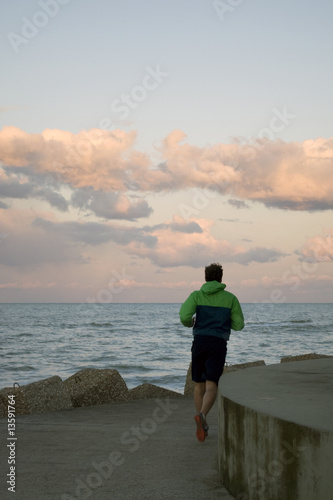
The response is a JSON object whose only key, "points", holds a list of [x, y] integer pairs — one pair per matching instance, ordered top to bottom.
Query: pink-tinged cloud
{"points": [[92, 158], [296, 176], [24, 184], [110, 205], [34, 243], [195, 248], [318, 248], [295, 274], [164, 284], [27, 285]]}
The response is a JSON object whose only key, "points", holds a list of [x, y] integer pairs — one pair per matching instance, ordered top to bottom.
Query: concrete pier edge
{"points": [[275, 435]]}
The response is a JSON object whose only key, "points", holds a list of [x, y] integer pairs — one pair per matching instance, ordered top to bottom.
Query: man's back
{"points": [[217, 311]]}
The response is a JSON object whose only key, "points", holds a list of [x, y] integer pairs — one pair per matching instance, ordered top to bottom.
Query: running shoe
{"points": [[201, 427]]}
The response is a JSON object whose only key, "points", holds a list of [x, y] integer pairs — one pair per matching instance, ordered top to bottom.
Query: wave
{"points": [[300, 321], [100, 325], [25, 368], [131, 368]]}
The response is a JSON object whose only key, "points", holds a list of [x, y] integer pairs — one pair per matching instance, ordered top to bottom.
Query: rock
{"points": [[303, 357], [242, 366], [189, 384], [92, 386], [150, 391], [46, 395], [38, 397], [21, 406], [3, 411]]}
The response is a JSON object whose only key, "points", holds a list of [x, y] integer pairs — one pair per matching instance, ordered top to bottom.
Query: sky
{"points": [[142, 140]]}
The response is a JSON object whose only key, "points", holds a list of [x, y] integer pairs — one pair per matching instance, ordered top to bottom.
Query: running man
{"points": [[216, 313]]}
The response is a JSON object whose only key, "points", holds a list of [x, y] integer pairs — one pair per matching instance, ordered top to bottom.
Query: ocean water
{"points": [[145, 342]]}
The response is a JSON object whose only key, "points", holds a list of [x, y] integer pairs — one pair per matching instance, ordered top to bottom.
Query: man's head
{"points": [[214, 272]]}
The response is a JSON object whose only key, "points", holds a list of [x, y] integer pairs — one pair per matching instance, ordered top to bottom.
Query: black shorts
{"points": [[208, 358]]}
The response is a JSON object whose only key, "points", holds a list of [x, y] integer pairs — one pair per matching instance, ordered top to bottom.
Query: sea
{"points": [[146, 343]]}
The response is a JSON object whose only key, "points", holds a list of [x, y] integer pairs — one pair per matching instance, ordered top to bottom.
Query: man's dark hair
{"points": [[214, 272]]}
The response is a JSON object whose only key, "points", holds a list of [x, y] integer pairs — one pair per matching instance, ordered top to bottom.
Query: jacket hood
{"points": [[212, 287]]}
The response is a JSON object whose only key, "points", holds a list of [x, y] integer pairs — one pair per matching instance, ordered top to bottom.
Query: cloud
{"points": [[5, 109], [94, 158], [293, 176], [18, 184], [26, 185], [12, 188], [55, 199], [238, 203], [110, 205], [229, 220], [238, 221], [182, 226], [95, 233], [98, 233], [171, 244], [318, 248], [31, 249], [195, 249], [259, 254], [273, 281], [164, 284], [27, 285]]}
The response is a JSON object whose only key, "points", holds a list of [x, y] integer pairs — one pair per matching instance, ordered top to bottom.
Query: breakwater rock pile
{"points": [[92, 386], [87, 387]]}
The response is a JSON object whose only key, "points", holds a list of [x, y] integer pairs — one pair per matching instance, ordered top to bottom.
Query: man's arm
{"points": [[187, 311], [237, 318]]}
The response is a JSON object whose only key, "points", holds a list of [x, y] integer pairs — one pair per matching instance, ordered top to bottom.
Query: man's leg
{"points": [[199, 391], [209, 397], [204, 398]]}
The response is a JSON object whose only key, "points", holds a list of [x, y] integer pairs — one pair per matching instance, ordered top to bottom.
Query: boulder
{"points": [[303, 357], [242, 366], [189, 384], [92, 386], [150, 391], [38, 397], [21, 405], [3, 411]]}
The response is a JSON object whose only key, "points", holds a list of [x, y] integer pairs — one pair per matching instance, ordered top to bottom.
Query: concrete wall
{"points": [[262, 457]]}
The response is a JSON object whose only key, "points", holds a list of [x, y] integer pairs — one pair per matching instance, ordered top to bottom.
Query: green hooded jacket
{"points": [[217, 311]]}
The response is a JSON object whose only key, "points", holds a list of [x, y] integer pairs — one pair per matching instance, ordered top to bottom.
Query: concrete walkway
{"points": [[300, 391], [276, 431], [143, 449]]}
